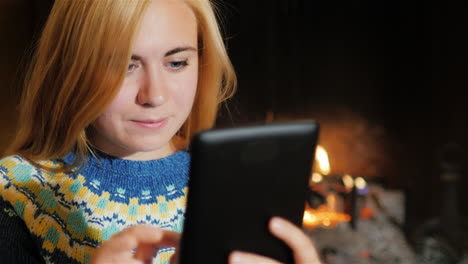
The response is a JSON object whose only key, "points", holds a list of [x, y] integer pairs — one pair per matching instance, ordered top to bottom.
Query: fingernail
{"points": [[277, 223], [236, 257]]}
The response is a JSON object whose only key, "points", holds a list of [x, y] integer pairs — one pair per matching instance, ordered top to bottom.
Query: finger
{"points": [[132, 237], [301, 245], [146, 253], [238, 257]]}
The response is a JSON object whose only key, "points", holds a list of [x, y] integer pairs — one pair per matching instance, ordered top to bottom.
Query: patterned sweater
{"points": [[60, 218]]}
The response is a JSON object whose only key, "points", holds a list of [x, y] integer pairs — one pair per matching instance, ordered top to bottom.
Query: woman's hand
{"points": [[145, 240], [303, 249]]}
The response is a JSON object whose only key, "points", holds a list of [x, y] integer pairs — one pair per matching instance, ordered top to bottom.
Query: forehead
{"points": [[166, 25]]}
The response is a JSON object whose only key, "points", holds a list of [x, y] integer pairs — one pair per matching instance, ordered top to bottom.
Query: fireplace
{"points": [[355, 216], [352, 220]]}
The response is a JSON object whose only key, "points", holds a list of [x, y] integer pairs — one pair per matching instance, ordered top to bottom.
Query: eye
{"points": [[177, 65], [132, 67]]}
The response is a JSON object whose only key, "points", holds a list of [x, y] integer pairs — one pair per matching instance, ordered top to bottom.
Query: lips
{"points": [[150, 123]]}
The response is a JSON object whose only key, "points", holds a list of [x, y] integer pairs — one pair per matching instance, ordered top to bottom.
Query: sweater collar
{"points": [[121, 166]]}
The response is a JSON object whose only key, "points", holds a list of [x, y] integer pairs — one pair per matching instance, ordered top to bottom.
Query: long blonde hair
{"points": [[80, 63], [217, 79]]}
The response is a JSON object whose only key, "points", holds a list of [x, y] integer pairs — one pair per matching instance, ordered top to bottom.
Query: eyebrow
{"points": [[180, 49], [169, 53]]}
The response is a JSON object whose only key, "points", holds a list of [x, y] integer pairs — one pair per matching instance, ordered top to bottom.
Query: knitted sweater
{"points": [[60, 218]]}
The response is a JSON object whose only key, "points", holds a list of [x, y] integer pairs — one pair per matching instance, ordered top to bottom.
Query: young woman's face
{"points": [[159, 89]]}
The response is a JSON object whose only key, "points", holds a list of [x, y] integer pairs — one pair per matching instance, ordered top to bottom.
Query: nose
{"points": [[152, 92]]}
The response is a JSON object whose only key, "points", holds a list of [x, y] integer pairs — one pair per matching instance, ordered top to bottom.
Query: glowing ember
{"points": [[323, 217]]}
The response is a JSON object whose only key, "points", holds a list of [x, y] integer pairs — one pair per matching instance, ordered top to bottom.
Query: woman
{"points": [[98, 171]]}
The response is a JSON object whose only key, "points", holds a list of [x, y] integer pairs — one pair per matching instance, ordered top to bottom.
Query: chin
{"points": [[147, 146]]}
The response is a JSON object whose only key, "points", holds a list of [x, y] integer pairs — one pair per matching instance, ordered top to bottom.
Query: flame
{"points": [[321, 157]]}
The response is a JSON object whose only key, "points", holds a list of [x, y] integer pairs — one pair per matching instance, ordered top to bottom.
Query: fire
{"points": [[321, 157], [324, 217]]}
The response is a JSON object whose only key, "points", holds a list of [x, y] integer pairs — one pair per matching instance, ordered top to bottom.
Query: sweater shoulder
{"points": [[11, 165], [15, 168], [20, 180]]}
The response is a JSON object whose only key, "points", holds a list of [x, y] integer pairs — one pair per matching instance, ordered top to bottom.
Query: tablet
{"points": [[239, 179]]}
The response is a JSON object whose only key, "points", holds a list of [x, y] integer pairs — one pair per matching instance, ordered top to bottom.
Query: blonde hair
{"points": [[80, 63], [217, 79]]}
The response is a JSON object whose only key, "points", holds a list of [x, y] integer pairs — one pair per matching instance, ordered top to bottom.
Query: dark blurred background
{"points": [[387, 80]]}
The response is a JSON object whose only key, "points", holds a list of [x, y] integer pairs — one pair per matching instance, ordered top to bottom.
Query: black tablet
{"points": [[239, 179]]}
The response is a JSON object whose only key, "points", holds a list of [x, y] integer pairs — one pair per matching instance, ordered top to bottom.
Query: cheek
{"points": [[187, 90], [124, 98], [119, 106]]}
